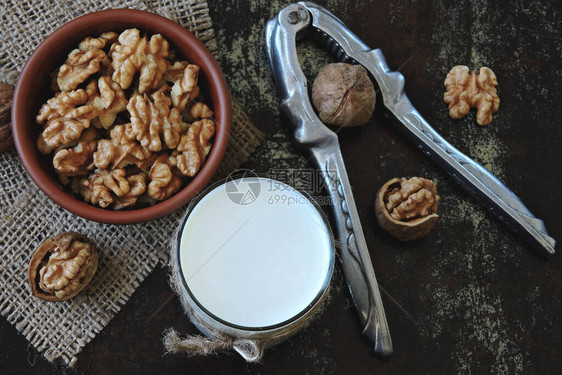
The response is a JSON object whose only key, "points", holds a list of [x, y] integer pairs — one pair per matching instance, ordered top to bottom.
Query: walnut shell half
{"points": [[407, 209], [62, 266]]}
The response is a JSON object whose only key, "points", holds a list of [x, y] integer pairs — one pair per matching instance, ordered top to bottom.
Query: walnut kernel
{"points": [[98, 43], [135, 54], [78, 67], [174, 72], [186, 89], [466, 90], [344, 95], [108, 101], [66, 116], [152, 118], [194, 147], [120, 151], [77, 160], [164, 181], [137, 187], [407, 209], [62, 266]]}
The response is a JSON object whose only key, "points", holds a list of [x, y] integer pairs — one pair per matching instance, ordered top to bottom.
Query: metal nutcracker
{"points": [[312, 19]]}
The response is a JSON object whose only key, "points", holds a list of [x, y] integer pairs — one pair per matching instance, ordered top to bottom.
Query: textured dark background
{"points": [[470, 298]]}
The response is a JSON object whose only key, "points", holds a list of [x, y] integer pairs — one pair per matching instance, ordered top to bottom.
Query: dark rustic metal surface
{"points": [[470, 297]]}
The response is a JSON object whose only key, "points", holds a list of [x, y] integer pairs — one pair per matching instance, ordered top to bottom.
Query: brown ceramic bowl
{"points": [[32, 90]]}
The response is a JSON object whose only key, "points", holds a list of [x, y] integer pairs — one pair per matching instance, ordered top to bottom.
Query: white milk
{"points": [[259, 264]]}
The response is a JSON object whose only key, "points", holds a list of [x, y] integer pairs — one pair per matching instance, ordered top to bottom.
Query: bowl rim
{"points": [[48, 184]]}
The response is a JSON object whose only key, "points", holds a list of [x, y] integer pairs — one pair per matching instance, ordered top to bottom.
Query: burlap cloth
{"points": [[128, 253]]}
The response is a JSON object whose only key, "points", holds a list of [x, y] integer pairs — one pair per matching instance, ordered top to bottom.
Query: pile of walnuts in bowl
{"points": [[125, 127]]}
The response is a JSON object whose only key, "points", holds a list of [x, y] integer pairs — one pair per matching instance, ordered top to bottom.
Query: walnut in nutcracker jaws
{"points": [[466, 90], [343, 95], [407, 209], [62, 266]]}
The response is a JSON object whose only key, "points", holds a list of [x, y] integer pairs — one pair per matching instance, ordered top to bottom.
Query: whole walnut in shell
{"points": [[343, 95], [6, 139], [407, 209], [62, 266]]}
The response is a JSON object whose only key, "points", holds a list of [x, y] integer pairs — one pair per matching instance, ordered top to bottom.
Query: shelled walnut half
{"points": [[466, 90], [407, 209], [62, 266]]}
